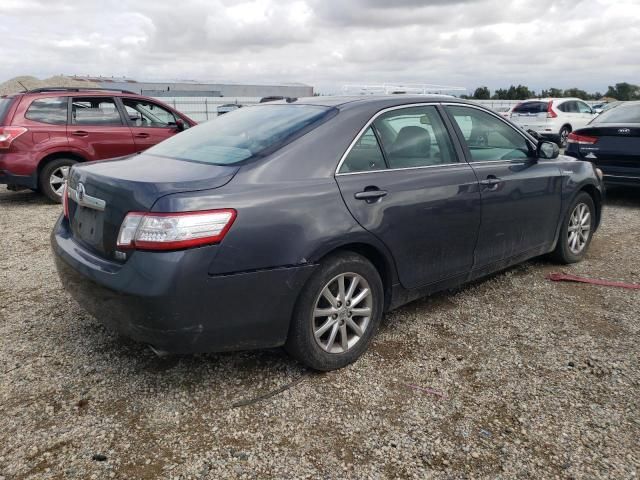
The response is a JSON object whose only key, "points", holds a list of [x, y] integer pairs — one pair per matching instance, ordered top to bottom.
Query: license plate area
{"points": [[87, 225]]}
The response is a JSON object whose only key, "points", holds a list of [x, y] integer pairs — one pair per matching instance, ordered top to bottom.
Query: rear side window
{"points": [[5, 103], [531, 107], [48, 110], [100, 111], [621, 114], [242, 134], [365, 155]]}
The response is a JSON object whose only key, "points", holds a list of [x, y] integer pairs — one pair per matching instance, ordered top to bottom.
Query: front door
{"points": [[150, 123], [404, 182], [520, 193]]}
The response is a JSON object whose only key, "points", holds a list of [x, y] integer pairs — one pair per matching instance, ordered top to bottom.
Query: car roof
{"points": [[76, 92], [552, 99], [382, 101]]}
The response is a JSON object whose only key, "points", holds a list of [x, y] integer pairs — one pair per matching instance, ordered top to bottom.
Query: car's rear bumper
{"points": [[618, 179], [27, 181], [168, 300]]}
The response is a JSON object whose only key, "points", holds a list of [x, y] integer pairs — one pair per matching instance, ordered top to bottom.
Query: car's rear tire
{"points": [[564, 135], [52, 177], [576, 230], [334, 320]]}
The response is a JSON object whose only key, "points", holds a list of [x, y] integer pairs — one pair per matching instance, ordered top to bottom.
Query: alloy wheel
{"points": [[57, 179], [579, 228], [342, 312]]}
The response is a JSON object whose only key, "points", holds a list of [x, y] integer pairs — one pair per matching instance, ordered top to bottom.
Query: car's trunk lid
{"points": [[618, 146], [106, 191]]}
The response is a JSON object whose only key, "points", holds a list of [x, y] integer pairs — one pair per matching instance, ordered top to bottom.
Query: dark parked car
{"points": [[45, 131], [612, 143], [299, 224]]}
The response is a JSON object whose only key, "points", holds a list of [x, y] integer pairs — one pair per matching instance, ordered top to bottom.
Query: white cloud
{"points": [[585, 43]]}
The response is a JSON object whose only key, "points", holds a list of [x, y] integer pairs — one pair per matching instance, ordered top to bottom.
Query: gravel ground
{"points": [[511, 377]]}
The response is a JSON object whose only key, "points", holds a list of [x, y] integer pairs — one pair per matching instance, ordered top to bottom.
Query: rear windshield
{"points": [[5, 103], [531, 107], [620, 114], [242, 134]]}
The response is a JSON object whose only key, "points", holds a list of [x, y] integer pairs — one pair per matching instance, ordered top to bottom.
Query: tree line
{"points": [[619, 91]]}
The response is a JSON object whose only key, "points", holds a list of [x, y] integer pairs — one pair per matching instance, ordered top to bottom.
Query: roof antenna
{"points": [[25, 88]]}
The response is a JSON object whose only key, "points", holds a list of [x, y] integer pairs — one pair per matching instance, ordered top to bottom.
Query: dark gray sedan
{"points": [[299, 223]]}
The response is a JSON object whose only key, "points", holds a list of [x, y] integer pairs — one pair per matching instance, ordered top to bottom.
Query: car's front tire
{"points": [[53, 176], [576, 230], [337, 313]]}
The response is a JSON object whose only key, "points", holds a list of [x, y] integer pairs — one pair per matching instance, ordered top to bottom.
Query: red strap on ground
{"points": [[565, 277]]}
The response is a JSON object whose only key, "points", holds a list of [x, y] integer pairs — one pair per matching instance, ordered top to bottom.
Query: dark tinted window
{"points": [[5, 103], [531, 107], [48, 110], [99, 111], [629, 113], [242, 134], [414, 137], [488, 137], [365, 155]]}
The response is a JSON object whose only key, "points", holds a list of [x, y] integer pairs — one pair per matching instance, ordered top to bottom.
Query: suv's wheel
{"points": [[564, 135], [53, 176], [576, 230], [337, 313]]}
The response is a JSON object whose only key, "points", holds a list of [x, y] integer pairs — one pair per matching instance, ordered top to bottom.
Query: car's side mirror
{"points": [[179, 124], [548, 150]]}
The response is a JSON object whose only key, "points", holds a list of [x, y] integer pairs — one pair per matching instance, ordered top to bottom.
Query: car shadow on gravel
{"points": [[22, 197]]}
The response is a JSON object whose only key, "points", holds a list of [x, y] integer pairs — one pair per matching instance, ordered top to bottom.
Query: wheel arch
{"points": [[56, 155], [595, 194], [380, 259]]}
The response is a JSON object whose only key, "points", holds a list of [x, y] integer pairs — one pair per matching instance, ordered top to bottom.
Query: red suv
{"points": [[45, 131]]}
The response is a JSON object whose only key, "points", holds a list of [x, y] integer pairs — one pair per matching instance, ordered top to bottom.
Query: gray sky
{"points": [[327, 43]]}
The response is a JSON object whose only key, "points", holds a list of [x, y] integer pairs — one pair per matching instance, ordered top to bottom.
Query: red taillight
{"points": [[550, 112], [8, 135], [581, 139], [65, 199], [174, 231]]}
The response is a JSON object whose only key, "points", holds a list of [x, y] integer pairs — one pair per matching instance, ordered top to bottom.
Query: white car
{"points": [[553, 118]]}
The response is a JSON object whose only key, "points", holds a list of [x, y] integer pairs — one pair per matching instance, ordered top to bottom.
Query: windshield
{"points": [[5, 103], [629, 113], [242, 134]]}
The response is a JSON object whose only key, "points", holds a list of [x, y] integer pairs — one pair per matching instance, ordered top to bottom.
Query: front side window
{"points": [[583, 107], [48, 110], [99, 111], [147, 114], [243, 133], [488, 137], [365, 155]]}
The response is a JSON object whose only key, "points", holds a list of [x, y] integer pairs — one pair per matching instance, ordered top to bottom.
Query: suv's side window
{"points": [[563, 107], [584, 108], [48, 110], [98, 111], [146, 114], [414, 137], [488, 137], [365, 155]]}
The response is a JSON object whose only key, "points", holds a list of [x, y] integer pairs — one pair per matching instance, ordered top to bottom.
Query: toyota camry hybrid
{"points": [[299, 223]]}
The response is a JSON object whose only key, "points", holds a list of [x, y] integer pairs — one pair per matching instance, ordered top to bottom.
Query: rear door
{"points": [[149, 122], [98, 129], [403, 180], [520, 193]]}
